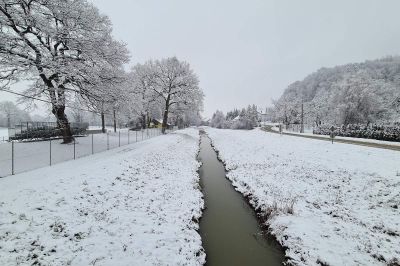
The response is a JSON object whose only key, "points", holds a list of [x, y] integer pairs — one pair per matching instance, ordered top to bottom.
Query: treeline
{"points": [[67, 49], [361, 93], [10, 114], [246, 118]]}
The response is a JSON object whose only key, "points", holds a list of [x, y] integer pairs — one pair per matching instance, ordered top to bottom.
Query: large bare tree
{"points": [[65, 46], [176, 84]]}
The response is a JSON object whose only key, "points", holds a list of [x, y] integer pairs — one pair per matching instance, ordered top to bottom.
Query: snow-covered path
{"points": [[333, 204], [135, 205]]}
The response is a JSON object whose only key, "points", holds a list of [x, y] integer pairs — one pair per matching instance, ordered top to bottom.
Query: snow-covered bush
{"points": [[244, 119], [218, 120], [379, 132]]}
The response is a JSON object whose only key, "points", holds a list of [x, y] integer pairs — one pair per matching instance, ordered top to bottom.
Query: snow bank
{"points": [[334, 204], [135, 205]]}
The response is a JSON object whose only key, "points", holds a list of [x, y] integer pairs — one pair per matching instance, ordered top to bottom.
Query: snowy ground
{"points": [[33, 155], [345, 198], [135, 205]]}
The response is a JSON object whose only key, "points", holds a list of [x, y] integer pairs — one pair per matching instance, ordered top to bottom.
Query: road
{"points": [[346, 141]]}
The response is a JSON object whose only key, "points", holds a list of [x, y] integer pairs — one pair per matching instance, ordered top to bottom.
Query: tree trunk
{"points": [[165, 117], [302, 119], [148, 120], [165, 120], [143, 121], [115, 122], [63, 124], [103, 124]]}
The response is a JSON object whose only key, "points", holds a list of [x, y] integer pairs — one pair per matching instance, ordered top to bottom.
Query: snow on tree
{"points": [[64, 46], [175, 83], [165, 88], [353, 93], [146, 103], [232, 114], [247, 118], [218, 119]]}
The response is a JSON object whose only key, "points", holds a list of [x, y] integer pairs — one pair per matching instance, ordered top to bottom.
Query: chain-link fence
{"points": [[17, 156]]}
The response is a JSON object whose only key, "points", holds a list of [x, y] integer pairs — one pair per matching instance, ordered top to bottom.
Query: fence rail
{"points": [[17, 157]]}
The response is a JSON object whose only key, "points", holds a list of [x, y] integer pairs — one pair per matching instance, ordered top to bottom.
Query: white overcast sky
{"points": [[250, 51]]}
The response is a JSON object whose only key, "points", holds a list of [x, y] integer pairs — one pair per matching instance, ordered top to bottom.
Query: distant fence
{"points": [[297, 128], [43, 130], [17, 157]]}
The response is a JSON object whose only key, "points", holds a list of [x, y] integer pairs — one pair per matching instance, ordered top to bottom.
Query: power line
{"points": [[42, 100]]}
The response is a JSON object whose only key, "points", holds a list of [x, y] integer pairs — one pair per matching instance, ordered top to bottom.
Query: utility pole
{"points": [[302, 118], [115, 122], [103, 124]]}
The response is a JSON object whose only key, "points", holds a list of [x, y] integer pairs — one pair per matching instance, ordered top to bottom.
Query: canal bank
{"points": [[230, 231]]}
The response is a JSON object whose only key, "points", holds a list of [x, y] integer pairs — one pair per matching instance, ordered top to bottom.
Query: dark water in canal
{"points": [[229, 229]]}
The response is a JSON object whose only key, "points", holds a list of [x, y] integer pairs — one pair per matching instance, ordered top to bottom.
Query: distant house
{"points": [[265, 117], [237, 118], [158, 123]]}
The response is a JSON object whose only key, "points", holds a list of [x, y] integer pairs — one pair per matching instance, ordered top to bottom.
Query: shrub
{"points": [[378, 132]]}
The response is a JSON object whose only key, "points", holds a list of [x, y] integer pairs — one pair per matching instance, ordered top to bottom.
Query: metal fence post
{"points": [[142, 134], [128, 135], [136, 135], [119, 138], [108, 141], [92, 145], [74, 149], [50, 152], [12, 157]]}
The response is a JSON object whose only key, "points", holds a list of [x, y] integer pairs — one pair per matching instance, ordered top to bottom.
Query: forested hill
{"points": [[354, 93]]}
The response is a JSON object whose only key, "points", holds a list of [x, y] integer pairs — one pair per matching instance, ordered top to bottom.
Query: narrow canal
{"points": [[229, 228]]}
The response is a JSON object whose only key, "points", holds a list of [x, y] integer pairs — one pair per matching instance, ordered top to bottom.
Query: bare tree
{"points": [[65, 46], [176, 84], [169, 85], [143, 98], [12, 113]]}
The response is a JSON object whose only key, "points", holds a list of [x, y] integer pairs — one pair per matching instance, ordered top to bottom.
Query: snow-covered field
{"points": [[33, 155], [330, 204], [134, 205]]}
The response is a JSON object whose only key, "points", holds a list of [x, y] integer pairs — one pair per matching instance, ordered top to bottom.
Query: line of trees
{"points": [[66, 48], [164, 87], [362, 93], [11, 114], [246, 118]]}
